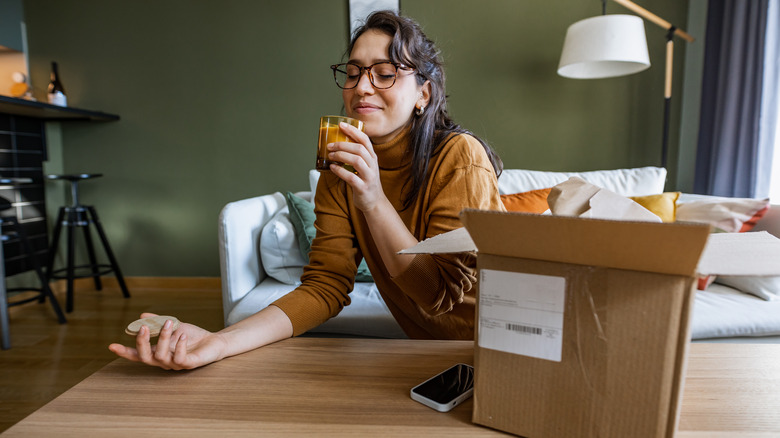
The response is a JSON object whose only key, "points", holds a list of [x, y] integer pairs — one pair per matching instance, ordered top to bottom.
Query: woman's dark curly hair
{"points": [[410, 46]]}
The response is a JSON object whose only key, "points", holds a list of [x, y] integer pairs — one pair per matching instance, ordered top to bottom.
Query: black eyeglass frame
{"points": [[367, 69]]}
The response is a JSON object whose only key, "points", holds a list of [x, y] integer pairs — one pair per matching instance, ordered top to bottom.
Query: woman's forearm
{"points": [[390, 236], [264, 327]]}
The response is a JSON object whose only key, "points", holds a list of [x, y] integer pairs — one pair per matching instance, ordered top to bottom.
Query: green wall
{"points": [[219, 101]]}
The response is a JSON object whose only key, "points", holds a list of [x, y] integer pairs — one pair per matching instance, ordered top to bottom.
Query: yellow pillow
{"points": [[663, 205]]}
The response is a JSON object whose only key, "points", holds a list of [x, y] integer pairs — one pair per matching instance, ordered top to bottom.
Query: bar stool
{"points": [[72, 217], [12, 229]]}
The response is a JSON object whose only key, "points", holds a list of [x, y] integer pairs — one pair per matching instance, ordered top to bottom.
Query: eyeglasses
{"points": [[382, 74]]}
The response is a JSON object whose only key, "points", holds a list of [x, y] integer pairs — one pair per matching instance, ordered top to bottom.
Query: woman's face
{"points": [[385, 112]]}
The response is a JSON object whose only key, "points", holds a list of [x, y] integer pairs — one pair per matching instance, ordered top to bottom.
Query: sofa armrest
{"points": [[770, 222], [240, 224]]}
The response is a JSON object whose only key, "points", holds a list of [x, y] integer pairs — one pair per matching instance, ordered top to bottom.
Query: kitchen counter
{"points": [[41, 110]]}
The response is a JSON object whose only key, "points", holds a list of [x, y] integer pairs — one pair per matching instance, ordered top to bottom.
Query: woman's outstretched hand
{"points": [[366, 185], [187, 347]]}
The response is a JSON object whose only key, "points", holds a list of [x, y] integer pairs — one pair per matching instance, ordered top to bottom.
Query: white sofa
{"points": [[721, 313]]}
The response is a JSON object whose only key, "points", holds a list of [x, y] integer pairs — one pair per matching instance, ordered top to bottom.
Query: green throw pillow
{"points": [[302, 217]]}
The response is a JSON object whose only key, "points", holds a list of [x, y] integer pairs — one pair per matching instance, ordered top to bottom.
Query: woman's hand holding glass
{"points": [[365, 182]]}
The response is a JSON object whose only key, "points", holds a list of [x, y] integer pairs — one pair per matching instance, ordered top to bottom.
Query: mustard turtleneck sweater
{"points": [[434, 297]]}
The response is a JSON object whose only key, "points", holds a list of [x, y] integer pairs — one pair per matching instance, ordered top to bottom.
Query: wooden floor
{"points": [[47, 358]]}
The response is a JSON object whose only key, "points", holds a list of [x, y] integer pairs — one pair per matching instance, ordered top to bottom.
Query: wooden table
{"points": [[360, 387]]}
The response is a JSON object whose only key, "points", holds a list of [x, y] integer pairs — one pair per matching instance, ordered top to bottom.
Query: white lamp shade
{"points": [[603, 47]]}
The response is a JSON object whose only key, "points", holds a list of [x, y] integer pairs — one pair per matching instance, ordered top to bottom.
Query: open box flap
{"points": [[457, 240], [639, 246], [668, 251], [754, 253]]}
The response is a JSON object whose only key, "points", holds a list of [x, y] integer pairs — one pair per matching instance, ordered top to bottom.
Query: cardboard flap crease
{"points": [[638, 246]]}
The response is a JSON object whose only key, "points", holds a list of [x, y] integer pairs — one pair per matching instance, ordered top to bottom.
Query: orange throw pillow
{"points": [[534, 201]]}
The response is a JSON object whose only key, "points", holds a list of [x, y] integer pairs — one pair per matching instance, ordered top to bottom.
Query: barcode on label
{"points": [[524, 329]]}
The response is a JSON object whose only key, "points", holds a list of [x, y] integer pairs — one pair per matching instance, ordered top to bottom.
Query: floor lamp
{"points": [[615, 45]]}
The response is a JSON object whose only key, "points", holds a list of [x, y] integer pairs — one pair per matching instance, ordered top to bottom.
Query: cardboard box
{"points": [[583, 324]]}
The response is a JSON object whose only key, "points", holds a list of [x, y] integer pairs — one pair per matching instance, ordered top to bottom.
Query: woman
{"points": [[415, 171]]}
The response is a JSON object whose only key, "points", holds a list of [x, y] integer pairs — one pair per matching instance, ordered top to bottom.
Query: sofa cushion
{"points": [[640, 181], [731, 215], [303, 217], [279, 251], [766, 288], [723, 312], [366, 315]]}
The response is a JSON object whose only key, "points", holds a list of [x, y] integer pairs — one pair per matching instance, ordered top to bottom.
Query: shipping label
{"points": [[521, 313]]}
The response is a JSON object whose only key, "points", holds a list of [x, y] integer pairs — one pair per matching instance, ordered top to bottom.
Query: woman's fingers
{"points": [[354, 133], [360, 144], [345, 152], [356, 155], [361, 156], [359, 162], [349, 177], [144, 347], [171, 350], [125, 352], [162, 352], [180, 354], [156, 355]]}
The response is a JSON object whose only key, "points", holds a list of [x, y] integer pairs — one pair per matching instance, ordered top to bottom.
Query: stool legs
{"points": [[82, 216], [55, 239], [92, 258], [70, 261], [114, 265], [45, 289], [4, 324]]}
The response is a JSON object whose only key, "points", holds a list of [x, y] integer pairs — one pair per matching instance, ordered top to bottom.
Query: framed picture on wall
{"points": [[360, 9]]}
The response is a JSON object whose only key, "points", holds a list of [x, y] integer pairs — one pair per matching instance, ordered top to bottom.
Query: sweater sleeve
{"points": [[463, 177], [330, 274]]}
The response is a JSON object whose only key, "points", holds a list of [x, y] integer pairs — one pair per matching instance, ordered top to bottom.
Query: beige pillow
{"points": [[731, 215]]}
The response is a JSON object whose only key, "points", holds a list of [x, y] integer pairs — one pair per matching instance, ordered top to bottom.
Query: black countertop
{"points": [[40, 110]]}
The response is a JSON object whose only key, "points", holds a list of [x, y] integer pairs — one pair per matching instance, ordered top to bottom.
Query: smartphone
{"points": [[447, 389]]}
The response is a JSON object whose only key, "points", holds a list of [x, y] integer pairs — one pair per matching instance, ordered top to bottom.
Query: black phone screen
{"points": [[447, 385]]}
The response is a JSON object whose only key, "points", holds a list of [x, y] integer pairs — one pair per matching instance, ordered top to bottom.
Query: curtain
{"points": [[728, 155], [768, 182]]}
